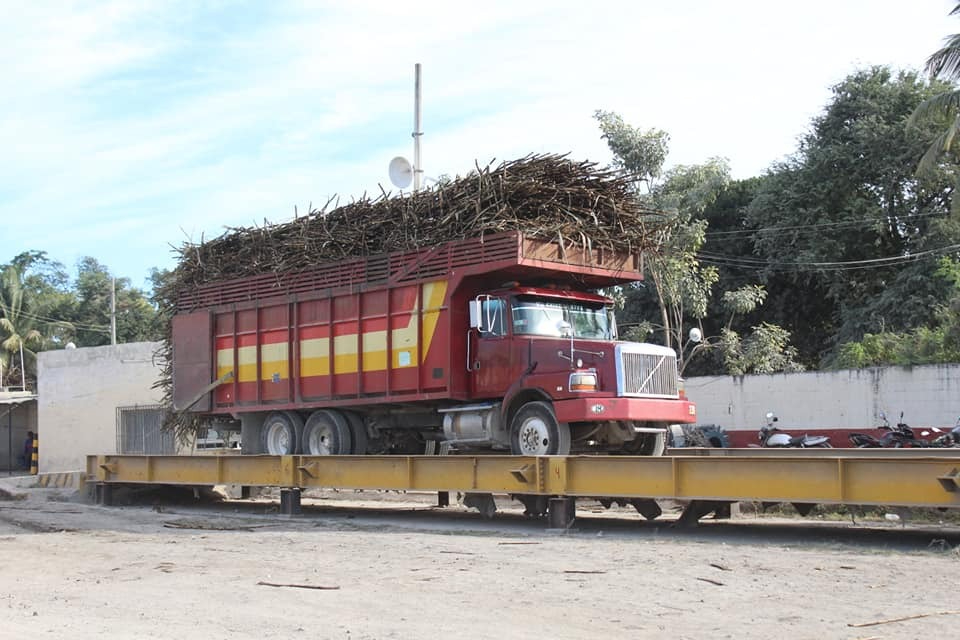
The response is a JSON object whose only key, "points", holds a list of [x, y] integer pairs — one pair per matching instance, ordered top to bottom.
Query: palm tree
{"points": [[944, 64], [16, 326]]}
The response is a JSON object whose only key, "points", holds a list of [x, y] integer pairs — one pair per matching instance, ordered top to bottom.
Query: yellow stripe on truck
{"points": [[315, 352]]}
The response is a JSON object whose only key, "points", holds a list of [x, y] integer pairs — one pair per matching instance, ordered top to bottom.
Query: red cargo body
{"points": [[390, 328]]}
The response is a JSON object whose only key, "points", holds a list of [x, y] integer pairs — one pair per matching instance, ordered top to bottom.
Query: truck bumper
{"points": [[636, 409]]}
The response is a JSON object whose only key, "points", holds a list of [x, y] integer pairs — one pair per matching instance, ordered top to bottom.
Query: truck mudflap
{"points": [[638, 409]]}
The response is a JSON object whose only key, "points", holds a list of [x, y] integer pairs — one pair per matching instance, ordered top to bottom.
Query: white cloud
{"points": [[128, 125]]}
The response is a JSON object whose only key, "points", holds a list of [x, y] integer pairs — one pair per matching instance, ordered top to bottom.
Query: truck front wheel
{"points": [[534, 431], [280, 433]]}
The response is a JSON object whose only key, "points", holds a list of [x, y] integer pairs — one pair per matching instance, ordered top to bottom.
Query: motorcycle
{"points": [[902, 435], [772, 436], [896, 437], [945, 439], [864, 441], [867, 441]]}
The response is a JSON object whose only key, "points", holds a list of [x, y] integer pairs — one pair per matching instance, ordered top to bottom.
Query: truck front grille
{"points": [[646, 374]]}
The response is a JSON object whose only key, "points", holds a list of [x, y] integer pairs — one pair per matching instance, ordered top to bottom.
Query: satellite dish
{"points": [[401, 172]]}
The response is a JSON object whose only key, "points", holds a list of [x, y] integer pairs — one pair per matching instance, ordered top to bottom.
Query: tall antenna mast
{"points": [[417, 168], [401, 171]]}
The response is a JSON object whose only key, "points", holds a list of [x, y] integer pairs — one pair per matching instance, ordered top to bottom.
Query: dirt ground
{"points": [[388, 565]]}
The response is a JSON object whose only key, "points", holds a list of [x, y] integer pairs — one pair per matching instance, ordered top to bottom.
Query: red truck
{"points": [[491, 343]]}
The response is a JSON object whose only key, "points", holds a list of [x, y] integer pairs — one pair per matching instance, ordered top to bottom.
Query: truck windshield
{"points": [[540, 317]]}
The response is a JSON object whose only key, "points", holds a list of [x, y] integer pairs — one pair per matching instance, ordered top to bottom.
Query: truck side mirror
{"points": [[476, 314]]}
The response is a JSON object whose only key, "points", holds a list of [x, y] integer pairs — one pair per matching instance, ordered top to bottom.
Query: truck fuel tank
{"points": [[475, 424]]}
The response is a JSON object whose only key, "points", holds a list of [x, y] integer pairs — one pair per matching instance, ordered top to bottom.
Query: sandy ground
{"points": [[392, 566]]}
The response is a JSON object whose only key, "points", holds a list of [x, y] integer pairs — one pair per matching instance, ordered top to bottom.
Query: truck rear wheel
{"points": [[534, 431], [281, 432], [327, 433], [358, 433]]}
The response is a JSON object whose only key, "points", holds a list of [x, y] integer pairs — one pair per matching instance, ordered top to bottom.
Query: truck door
{"points": [[491, 359]]}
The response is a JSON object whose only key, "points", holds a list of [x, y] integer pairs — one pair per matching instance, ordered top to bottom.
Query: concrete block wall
{"points": [[79, 391], [847, 399]]}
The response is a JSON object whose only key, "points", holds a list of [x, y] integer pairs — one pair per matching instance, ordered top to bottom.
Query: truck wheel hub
{"points": [[534, 437]]}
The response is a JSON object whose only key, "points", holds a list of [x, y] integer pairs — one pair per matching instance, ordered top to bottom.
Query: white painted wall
{"points": [[79, 391], [847, 399]]}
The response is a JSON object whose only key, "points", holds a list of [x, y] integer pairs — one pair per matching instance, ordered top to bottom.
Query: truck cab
{"points": [[558, 380]]}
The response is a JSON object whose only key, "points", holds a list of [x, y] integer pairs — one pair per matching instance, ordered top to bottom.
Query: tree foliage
{"points": [[943, 107], [638, 152], [844, 231], [679, 285], [42, 308], [137, 318], [18, 327], [934, 344], [766, 349]]}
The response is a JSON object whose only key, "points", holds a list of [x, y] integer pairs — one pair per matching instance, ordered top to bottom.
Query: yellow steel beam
{"points": [[911, 479]]}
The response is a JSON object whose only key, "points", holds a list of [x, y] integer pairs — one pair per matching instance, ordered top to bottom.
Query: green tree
{"points": [[943, 107], [639, 153], [845, 232], [47, 285], [680, 285], [684, 285], [743, 309], [137, 318], [19, 337], [936, 344]]}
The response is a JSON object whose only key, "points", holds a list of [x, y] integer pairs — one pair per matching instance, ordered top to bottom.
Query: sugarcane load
{"points": [[465, 317]]}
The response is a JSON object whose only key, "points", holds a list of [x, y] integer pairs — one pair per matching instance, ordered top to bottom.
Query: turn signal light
{"points": [[583, 381]]}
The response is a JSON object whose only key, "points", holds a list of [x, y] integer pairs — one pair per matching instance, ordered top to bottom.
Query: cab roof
{"points": [[556, 293]]}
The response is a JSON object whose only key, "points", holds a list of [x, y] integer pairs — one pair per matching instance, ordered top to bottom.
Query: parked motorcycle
{"points": [[902, 435], [772, 436], [896, 437], [945, 439], [865, 441]]}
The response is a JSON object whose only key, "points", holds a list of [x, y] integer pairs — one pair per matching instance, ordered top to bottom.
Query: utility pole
{"points": [[417, 169], [113, 311]]}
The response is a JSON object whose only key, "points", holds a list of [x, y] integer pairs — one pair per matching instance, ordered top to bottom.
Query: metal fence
{"points": [[139, 431]]}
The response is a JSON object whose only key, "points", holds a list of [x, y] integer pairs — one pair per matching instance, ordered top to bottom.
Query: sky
{"points": [[130, 127]]}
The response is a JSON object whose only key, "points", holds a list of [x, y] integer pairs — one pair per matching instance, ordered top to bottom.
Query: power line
{"points": [[813, 227], [873, 263], [80, 325]]}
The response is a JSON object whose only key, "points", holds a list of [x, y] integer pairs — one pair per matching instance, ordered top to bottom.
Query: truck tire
{"points": [[534, 431], [281, 432], [327, 433], [358, 433], [654, 444]]}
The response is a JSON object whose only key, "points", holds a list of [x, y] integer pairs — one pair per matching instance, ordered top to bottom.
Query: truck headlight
{"points": [[583, 381]]}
